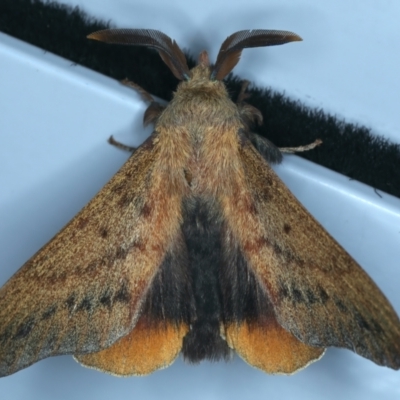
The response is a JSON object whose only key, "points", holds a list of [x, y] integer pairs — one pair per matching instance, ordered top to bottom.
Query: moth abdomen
{"points": [[202, 232], [204, 342]]}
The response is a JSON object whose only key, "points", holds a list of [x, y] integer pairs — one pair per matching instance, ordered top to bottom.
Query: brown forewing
{"points": [[82, 291], [318, 292]]}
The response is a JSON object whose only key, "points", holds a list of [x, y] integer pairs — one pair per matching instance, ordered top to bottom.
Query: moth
{"points": [[194, 247]]}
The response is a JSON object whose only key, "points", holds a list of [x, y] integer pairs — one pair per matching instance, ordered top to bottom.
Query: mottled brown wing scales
{"points": [[318, 291], [83, 296], [264, 344], [148, 347]]}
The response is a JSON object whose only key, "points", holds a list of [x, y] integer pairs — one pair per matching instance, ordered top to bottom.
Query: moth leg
{"points": [[242, 94], [146, 96], [153, 110], [151, 114], [249, 114], [120, 145], [266, 148], [299, 149], [272, 153]]}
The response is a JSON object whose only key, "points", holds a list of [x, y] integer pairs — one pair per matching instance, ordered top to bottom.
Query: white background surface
{"points": [[55, 119]]}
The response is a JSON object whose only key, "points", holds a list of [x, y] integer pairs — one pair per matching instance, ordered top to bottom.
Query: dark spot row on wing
{"points": [[123, 295], [306, 296], [311, 297], [106, 298], [91, 301], [71, 302], [86, 304], [74, 305], [340, 305], [49, 312], [371, 325], [25, 328], [341, 333]]}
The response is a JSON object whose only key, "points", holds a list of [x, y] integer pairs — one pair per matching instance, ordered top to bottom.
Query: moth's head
{"points": [[228, 56]]}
